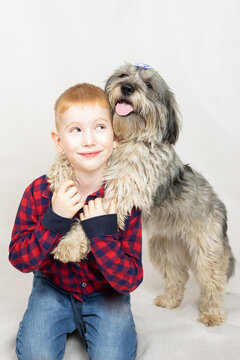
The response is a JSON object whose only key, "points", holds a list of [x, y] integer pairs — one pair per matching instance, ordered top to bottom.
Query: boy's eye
{"points": [[100, 127], [74, 130]]}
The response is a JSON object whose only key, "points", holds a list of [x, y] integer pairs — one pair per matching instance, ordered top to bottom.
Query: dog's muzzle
{"points": [[127, 89], [124, 106]]}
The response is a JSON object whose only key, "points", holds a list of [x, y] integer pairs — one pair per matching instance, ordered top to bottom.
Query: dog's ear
{"points": [[172, 128]]}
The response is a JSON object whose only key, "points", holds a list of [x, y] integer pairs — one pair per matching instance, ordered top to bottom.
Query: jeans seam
{"points": [[78, 319], [19, 341]]}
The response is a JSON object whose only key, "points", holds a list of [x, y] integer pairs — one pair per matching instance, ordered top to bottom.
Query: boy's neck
{"points": [[88, 183]]}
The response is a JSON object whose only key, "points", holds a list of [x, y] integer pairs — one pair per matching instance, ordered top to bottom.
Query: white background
{"points": [[49, 45]]}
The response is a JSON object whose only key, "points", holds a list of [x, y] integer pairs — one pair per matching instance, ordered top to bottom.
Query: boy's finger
{"points": [[67, 184], [72, 191], [76, 198], [98, 204], [78, 205], [91, 206], [112, 207], [85, 211], [82, 217]]}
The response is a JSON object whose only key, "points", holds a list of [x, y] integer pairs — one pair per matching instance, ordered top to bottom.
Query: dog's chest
{"points": [[133, 178]]}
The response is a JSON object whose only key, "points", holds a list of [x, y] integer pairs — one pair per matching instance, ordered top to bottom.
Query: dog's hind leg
{"points": [[164, 256], [210, 271]]}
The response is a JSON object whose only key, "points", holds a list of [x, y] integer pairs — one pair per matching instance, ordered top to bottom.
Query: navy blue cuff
{"points": [[55, 222], [100, 225]]}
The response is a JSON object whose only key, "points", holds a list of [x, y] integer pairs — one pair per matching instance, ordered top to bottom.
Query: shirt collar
{"points": [[47, 193], [98, 193]]}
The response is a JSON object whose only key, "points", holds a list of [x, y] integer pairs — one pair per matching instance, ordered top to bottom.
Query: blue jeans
{"points": [[105, 322]]}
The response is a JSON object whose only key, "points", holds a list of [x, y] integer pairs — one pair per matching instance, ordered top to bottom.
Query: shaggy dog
{"points": [[186, 222]]}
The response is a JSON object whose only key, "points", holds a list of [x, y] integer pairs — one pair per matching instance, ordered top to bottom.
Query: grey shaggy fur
{"points": [[186, 221]]}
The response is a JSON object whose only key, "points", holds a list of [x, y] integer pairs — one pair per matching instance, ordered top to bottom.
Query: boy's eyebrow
{"points": [[100, 118], [80, 122], [73, 123]]}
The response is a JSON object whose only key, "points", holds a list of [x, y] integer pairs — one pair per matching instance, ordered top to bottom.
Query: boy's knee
{"points": [[115, 338], [119, 345], [32, 346], [30, 351], [111, 352], [33, 353]]}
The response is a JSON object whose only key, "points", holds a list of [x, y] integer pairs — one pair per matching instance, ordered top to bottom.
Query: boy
{"points": [[92, 295]]}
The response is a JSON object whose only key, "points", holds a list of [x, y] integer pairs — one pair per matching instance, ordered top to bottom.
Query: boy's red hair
{"points": [[81, 94]]}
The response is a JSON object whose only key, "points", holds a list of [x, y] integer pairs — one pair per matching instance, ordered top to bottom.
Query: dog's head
{"points": [[143, 106]]}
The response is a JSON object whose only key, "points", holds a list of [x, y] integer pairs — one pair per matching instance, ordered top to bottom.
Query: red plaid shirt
{"points": [[114, 262]]}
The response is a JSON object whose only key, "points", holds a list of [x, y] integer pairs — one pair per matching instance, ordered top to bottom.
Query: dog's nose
{"points": [[127, 89]]}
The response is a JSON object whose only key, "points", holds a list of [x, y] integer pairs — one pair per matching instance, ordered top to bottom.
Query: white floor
{"points": [[163, 334]]}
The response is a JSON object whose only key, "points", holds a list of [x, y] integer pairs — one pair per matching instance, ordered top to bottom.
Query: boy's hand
{"points": [[66, 202], [95, 208]]}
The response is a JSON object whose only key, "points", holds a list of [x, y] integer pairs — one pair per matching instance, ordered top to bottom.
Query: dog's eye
{"points": [[123, 75], [148, 85]]}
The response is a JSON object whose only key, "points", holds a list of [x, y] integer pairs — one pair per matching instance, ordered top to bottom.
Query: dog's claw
{"points": [[166, 302], [211, 319]]}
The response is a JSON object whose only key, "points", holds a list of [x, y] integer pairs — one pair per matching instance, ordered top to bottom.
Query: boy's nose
{"points": [[88, 138]]}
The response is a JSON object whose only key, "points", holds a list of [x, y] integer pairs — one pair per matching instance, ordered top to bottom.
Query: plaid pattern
{"points": [[113, 263]]}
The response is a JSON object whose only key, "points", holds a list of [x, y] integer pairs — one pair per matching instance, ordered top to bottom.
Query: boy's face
{"points": [[86, 136]]}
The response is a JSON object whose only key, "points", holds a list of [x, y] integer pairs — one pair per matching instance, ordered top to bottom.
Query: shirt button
{"points": [[78, 265], [84, 285]]}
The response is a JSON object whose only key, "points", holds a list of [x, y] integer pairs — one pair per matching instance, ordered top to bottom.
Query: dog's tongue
{"points": [[123, 109]]}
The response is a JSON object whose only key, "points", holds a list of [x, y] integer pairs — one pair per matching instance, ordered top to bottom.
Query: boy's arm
{"points": [[35, 234], [117, 252]]}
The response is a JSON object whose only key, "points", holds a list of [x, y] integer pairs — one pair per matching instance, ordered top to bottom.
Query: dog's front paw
{"points": [[67, 251], [166, 301], [209, 319]]}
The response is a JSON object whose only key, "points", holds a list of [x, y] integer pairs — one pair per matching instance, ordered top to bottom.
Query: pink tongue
{"points": [[123, 109]]}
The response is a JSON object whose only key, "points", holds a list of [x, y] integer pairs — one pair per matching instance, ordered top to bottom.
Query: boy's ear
{"points": [[57, 142], [115, 142]]}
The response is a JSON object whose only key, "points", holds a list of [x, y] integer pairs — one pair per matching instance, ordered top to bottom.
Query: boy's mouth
{"points": [[90, 153]]}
